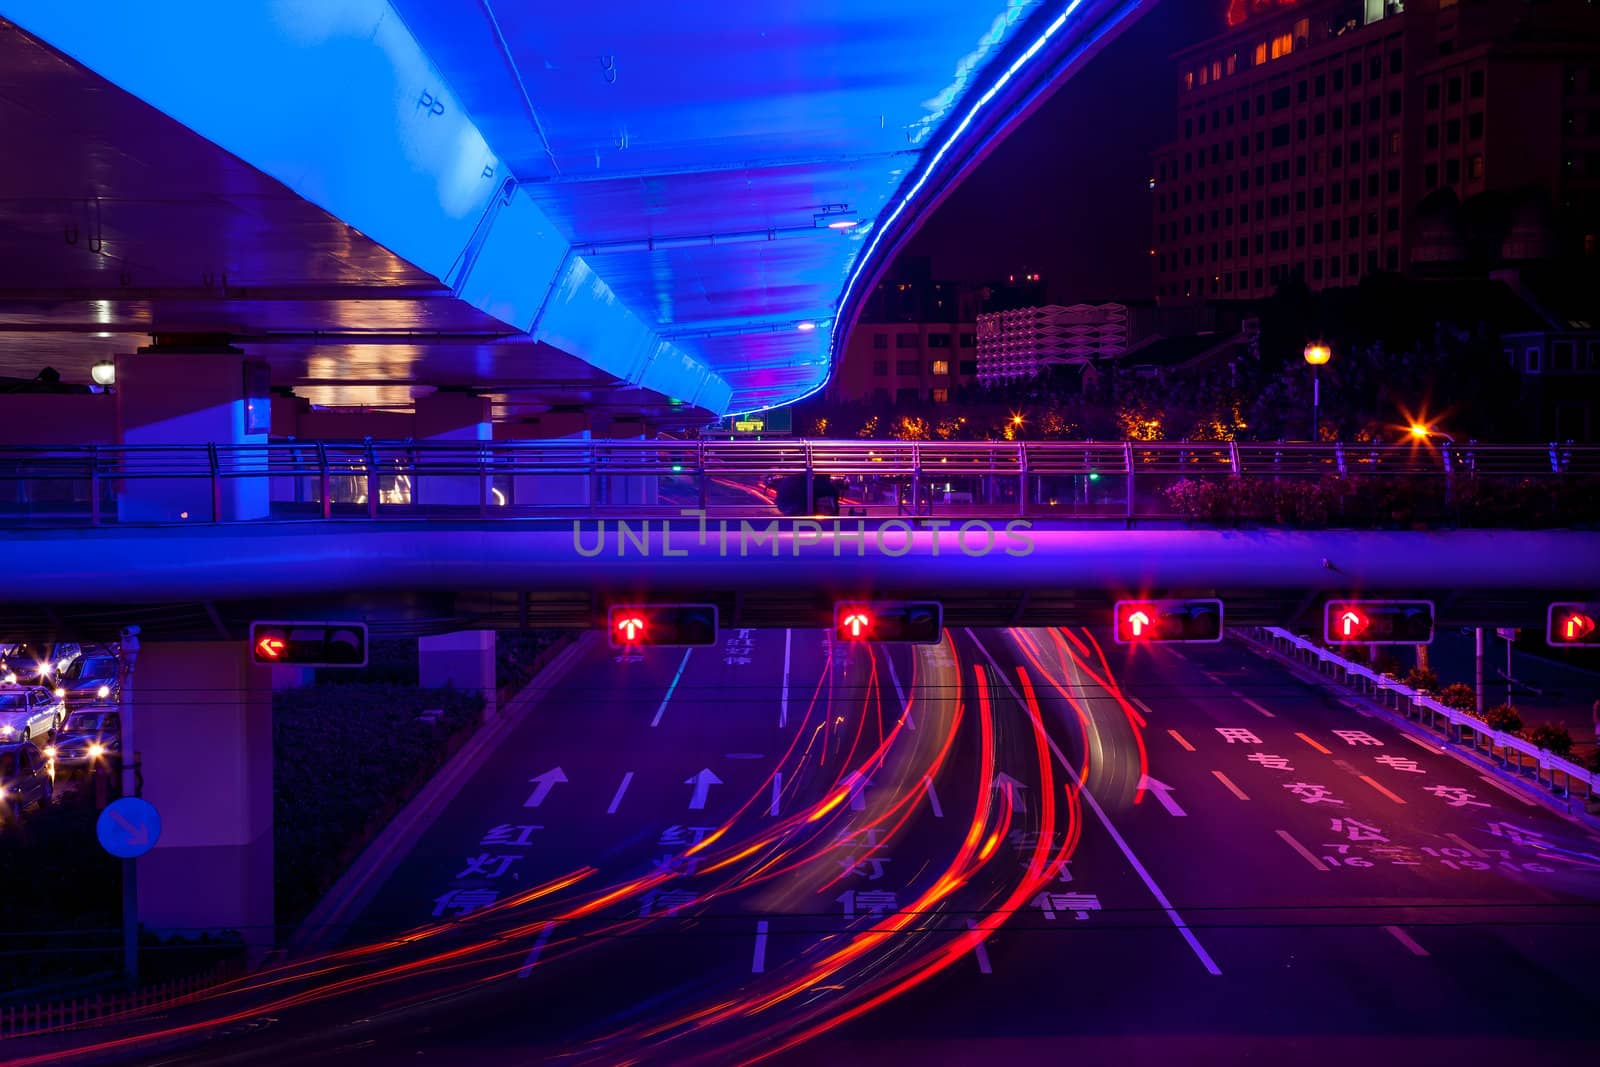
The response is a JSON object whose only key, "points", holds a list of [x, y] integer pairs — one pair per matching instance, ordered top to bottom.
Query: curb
{"points": [[1515, 784], [354, 890]]}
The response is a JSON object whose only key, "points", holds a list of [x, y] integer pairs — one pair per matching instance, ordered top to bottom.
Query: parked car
{"points": [[89, 679], [27, 712], [87, 738], [25, 779]]}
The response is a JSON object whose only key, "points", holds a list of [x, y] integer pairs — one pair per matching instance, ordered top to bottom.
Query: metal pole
{"points": [[1316, 400], [127, 657], [1508, 670], [1477, 687]]}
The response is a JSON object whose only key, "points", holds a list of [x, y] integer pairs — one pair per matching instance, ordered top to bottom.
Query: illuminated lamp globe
{"points": [[1318, 353], [104, 373]]}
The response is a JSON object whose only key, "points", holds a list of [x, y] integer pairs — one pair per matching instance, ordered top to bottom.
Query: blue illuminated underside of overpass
{"points": [[661, 190]]}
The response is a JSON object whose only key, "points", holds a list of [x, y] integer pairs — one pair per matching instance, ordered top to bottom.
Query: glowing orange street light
{"points": [[1316, 354]]}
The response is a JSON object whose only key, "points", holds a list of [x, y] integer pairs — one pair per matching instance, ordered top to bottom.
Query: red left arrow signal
{"points": [[271, 647]]}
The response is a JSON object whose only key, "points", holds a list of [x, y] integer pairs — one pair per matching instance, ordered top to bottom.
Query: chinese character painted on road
{"points": [[736, 660], [1236, 736], [1358, 737], [1271, 763], [1401, 763], [1312, 794], [1456, 796], [1355, 830], [507, 835], [873, 835], [683, 836], [1533, 839], [1395, 855], [675, 864], [488, 866], [871, 866], [1059, 868], [669, 900], [463, 901], [874, 902], [1080, 904]]}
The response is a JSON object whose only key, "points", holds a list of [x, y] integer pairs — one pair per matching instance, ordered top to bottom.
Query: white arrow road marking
{"points": [[1163, 795]]}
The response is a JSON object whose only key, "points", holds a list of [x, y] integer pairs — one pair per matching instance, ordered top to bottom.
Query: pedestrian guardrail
{"points": [[1126, 480], [1458, 726]]}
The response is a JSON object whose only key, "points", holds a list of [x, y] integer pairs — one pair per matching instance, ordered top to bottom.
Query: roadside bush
{"points": [[1384, 663], [1422, 679], [1458, 695], [1503, 717], [1553, 737]]}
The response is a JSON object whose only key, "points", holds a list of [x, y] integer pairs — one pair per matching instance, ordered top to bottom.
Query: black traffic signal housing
{"points": [[1184, 621], [916, 622], [1378, 622], [1571, 623], [664, 625], [309, 644]]}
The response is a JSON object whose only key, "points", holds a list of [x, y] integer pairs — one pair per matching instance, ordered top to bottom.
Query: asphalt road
{"points": [[1015, 843]]}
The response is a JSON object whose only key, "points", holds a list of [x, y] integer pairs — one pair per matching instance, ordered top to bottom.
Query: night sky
{"points": [[1065, 195]]}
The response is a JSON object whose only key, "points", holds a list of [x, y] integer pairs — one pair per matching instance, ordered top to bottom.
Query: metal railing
{"points": [[1128, 480], [1516, 754]]}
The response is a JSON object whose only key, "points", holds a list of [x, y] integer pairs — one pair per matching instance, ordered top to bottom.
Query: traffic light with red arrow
{"points": [[917, 622], [1137, 622], [1378, 622], [1572, 623], [667, 625]]}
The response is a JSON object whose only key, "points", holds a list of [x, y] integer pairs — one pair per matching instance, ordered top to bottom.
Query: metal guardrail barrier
{"points": [[1047, 479], [1459, 726]]}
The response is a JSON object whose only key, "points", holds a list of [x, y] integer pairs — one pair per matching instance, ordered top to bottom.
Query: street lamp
{"points": [[1316, 354], [104, 372], [1423, 433]]}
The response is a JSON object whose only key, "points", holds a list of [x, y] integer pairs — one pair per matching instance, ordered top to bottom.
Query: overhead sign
{"points": [[1166, 621], [917, 622], [1378, 622], [1573, 623], [668, 625], [309, 644], [129, 827]]}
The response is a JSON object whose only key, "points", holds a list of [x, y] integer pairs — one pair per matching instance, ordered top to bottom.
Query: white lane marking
{"points": [[900, 694], [783, 699], [1142, 706], [1259, 708], [662, 710], [1176, 736], [1420, 742], [1227, 784], [621, 789], [1507, 790], [777, 791], [1163, 794], [933, 798], [1094, 805], [1298, 847], [1407, 940], [538, 947], [981, 951], [758, 962]]}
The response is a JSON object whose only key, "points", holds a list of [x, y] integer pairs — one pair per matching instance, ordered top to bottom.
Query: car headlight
{"points": [[10, 678], [60, 692], [103, 692], [7, 731], [96, 751], [50, 752]]}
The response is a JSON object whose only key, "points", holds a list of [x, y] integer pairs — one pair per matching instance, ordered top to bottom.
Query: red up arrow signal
{"points": [[858, 622], [1137, 622], [1352, 623], [631, 627], [270, 647]]}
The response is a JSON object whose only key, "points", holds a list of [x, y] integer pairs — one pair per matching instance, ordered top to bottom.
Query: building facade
{"points": [[1312, 136], [915, 342], [1021, 343]]}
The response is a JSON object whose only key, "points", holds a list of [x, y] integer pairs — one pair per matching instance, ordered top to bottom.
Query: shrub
{"points": [[1386, 664], [1422, 679], [1458, 695], [1503, 717], [1553, 737]]}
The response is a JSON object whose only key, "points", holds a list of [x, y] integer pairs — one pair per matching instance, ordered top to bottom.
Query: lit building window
{"points": [[1282, 45], [1261, 54], [1233, 63], [1188, 80], [941, 367], [941, 396]]}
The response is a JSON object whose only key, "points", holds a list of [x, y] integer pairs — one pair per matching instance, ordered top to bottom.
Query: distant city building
{"points": [[1330, 139], [915, 342], [1021, 343]]}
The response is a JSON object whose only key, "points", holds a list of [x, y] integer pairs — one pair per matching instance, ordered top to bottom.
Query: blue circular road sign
{"points": [[129, 827]]}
